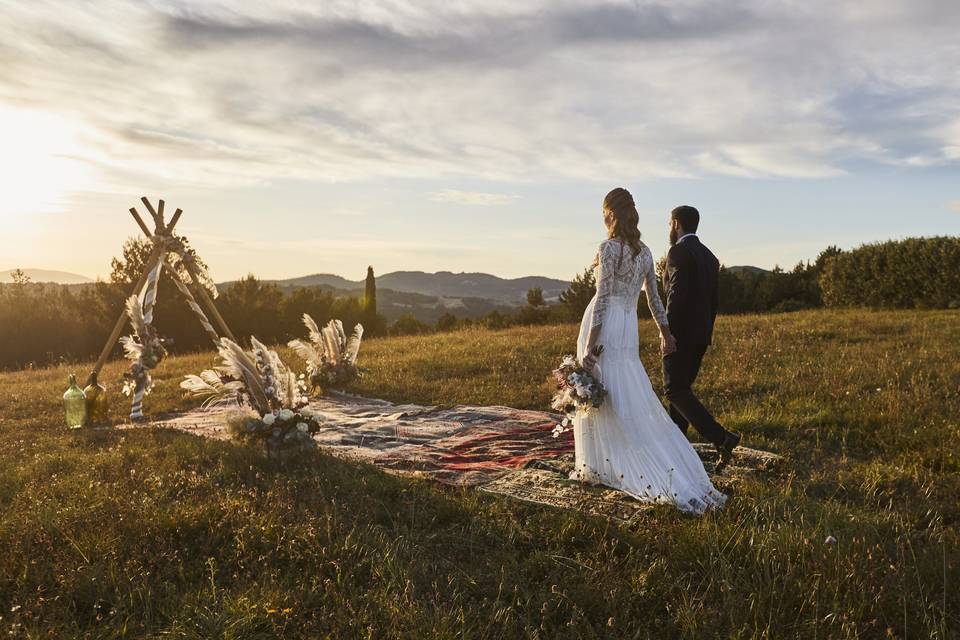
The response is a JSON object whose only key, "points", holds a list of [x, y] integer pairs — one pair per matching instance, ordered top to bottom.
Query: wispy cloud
{"points": [[228, 92], [476, 198], [955, 205]]}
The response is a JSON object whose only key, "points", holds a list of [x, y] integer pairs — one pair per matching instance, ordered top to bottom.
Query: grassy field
{"points": [[157, 534]]}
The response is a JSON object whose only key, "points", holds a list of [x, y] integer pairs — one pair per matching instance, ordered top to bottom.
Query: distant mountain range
{"points": [[45, 276], [511, 291], [427, 296]]}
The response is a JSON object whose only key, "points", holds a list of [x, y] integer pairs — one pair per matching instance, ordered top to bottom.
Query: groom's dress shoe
{"points": [[730, 442]]}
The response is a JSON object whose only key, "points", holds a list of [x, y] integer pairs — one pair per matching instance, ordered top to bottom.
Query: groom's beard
{"points": [[674, 237]]}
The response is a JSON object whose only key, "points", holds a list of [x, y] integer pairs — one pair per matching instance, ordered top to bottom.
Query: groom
{"points": [[692, 279]]}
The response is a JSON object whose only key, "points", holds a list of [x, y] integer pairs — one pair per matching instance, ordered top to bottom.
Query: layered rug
{"points": [[500, 450]]}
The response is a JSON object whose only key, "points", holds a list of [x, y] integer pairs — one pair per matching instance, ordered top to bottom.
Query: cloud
{"points": [[229, 93], [472, 197], [955, 205]]}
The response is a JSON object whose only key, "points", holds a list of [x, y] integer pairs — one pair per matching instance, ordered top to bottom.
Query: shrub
{"points": [[917, 273]]}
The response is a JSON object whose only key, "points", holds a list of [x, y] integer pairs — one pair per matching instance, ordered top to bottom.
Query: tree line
{"points": [[42, 324]]}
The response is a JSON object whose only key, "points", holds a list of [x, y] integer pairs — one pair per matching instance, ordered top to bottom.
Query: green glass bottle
{"points": [[98, 404], [75, 405]]}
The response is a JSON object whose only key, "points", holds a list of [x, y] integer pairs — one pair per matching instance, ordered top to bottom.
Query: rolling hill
{"points": [[747, 269], [46, 275], [443, 284], [427, 296]]}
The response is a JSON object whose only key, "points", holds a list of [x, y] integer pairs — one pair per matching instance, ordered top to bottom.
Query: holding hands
{"points": [[668, 344]]}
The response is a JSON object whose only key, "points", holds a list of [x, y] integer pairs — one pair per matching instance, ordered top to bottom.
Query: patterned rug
{"points": [[501, 450]]}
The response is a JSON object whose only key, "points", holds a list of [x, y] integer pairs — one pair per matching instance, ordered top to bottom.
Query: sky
{"points": [[473, 135]]}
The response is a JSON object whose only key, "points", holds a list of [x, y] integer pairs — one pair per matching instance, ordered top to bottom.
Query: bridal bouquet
{"points": [[331, 357], [261, 381], [577, 390]]}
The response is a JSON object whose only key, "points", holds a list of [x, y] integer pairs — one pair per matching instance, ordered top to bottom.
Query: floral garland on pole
{"points": [[180, 256], [145, 348], [331, 358], [261, 382]]}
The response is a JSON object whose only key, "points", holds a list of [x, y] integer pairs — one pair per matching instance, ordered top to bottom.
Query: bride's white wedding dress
{"points": [[630, 443]]}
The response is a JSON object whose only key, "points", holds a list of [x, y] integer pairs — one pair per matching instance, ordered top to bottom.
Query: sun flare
{"points": [[41, 162]]}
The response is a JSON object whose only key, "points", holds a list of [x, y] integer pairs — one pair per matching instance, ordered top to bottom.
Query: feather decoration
{"points": [[135, 313], [331, 335], [315, 336], [327, 343], [353, 346], [131, 348], [306, 351], [265, 356], [267, 363], [238, 364], [285, 381], [208, 385], [293, 391]]}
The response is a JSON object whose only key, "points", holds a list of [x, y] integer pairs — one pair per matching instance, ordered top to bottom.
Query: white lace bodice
{"points": [[621, 275]]}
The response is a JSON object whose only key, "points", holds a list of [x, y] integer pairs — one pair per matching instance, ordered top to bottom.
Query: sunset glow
{"points": [[40, 161]]}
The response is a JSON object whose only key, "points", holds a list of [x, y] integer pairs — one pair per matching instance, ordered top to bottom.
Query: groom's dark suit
{"points": [[692, 282]]}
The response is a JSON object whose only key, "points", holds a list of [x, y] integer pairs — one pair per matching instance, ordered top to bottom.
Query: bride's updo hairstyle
{"points": [[619, 203]]}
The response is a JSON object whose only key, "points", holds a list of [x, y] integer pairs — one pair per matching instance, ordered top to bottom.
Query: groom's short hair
{"points": [[687, 216]]}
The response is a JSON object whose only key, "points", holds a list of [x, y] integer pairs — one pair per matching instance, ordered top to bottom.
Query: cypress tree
{"points": [[370, 295]]}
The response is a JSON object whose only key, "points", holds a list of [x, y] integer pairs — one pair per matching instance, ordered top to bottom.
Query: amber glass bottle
{"points": [[98, 404]]}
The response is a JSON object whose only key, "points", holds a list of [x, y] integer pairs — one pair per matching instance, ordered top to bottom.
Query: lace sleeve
{"points": [[605, 278], [650, 288]]}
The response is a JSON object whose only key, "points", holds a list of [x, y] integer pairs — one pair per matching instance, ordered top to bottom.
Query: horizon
{"points": [[479, 138], [359, 280]]}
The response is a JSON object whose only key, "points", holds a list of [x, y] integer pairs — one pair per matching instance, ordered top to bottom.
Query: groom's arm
{"points": [[678, 277], [715, 295]]}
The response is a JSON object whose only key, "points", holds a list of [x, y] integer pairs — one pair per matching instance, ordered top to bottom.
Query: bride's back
{"points": [[622, 268]]}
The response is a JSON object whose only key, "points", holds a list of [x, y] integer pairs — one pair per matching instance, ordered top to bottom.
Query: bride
{"points": [[630, 443]]}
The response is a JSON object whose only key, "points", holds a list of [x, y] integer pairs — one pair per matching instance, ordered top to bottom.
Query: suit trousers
{"points": [[680, 370]]}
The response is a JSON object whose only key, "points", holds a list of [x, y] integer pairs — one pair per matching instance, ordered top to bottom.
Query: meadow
{"points": [[155, 534]]}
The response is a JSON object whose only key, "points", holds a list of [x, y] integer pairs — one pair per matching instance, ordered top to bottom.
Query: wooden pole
{"points": [[152, 211], [174, 221], [161, 225], [143, 226], [195, 276], [205, 297], [191, 301], [122, 321]]}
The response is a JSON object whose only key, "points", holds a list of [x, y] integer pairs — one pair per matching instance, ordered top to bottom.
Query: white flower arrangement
{"points": [[261, 381], [577, 391]]}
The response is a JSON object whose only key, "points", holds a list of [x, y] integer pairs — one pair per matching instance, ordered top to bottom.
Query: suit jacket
{"points": [[693, 276]]}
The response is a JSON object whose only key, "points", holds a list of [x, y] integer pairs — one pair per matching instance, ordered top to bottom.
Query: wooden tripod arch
{"points": [[192, 290]]}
